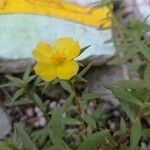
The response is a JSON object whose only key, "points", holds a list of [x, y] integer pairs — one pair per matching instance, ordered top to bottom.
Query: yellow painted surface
{"points": [[97, 16]]}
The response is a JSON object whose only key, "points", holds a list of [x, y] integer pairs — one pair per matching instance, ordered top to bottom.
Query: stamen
{"points": [[58, 58]]}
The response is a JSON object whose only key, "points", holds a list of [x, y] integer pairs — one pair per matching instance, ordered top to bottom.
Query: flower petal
{"points": [[68, 47], [42, 52], [45, 70], [67, 70]]}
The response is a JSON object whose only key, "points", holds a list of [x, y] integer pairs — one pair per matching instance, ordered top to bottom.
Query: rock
{"points": [[138, 8], [144, 8], [20, 33], [14, 65], [98, 77], [29, 112], [42, 121], [5, 124]]}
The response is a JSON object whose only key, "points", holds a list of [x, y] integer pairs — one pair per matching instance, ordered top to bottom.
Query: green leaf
{"points": [[144, 25], [84, 48], [144, 49], [131, 54], [136, 65], [84, 71], [27, 73], [147, 73], [79, 78], [13, 79], [29, 79], [37, 81], [16, 82], [10, 84], [46, 84], [132, 84], [67, 87], [17, 94], [124, 95], [87, 96], [91, 96], [20, 102], [38, 102], [68, 103], [128, 111], [147, 111], [70, 121], [90, 121], [123, 125], [56, 127], [118, 132], [136, 133], [146, 133], [40, 135], [24, 137], [56, 141], [94, 141], [47, 145], [6, 146], [57, 147], [125, 147]]}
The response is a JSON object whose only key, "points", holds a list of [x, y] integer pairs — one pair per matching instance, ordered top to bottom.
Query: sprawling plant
{"points": [[69, 125]]}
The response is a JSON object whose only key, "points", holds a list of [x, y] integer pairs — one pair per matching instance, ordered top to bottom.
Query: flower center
{"points": [[58, 58]]}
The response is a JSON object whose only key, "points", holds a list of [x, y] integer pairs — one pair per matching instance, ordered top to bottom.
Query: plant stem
{"points": [[121, 35], [77, 103], [141, 111], [122, 139]]}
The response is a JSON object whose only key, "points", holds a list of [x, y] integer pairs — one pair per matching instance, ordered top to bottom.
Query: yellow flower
{"points": [[57, 60]]}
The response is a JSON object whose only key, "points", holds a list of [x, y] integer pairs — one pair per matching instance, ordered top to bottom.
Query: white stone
{"points": [[140, 8], [20, 33], [52, 105], [38, 111], [29, 112], [42, 121], [5, 124], [36, 124]]}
